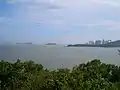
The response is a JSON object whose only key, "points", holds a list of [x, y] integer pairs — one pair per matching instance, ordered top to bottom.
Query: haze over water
{"points": [[58, 56]]}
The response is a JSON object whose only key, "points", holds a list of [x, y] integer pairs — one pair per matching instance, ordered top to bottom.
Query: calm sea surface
{"points": [[58, 56]]}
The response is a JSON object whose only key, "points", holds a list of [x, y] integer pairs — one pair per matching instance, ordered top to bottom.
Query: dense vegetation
{"points": [[27, 75]]}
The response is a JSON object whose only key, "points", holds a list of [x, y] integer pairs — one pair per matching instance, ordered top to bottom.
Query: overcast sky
{"points": [[60, 21]]}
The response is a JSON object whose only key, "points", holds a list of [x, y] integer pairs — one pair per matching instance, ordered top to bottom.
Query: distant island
{"points": [[25, 43], [51, 44], [98, 44]]}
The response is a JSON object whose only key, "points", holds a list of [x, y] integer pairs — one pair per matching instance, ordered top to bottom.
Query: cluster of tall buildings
{"points": [[98, 42]]}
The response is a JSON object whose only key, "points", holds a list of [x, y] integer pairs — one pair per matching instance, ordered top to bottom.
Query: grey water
{"points": [[58, 56]]}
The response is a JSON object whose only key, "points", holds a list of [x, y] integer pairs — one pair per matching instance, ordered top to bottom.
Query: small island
{"points": [[25, 43], [98, 43], [51, 44]]}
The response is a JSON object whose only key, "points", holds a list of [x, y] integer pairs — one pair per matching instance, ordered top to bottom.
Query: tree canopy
{"points": [[93, 75]]}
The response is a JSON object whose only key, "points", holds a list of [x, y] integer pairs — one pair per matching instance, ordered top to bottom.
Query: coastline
{"points": [[101, 45]]}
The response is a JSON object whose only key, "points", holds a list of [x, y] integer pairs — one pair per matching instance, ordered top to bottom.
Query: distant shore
{"points": [[111, 44], [87, 45]]}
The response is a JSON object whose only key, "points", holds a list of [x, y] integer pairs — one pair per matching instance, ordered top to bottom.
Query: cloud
{"points": [[115, 3], [43, 4], [69, 4], [83, 4], [69, 14], [83, 18], [5, 20], [106, 24]]}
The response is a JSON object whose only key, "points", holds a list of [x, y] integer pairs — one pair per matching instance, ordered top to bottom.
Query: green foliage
{"points": [[27, 75]]}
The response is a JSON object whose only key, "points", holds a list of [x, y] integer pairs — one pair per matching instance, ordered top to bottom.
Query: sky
{"points": [[59, 21]]}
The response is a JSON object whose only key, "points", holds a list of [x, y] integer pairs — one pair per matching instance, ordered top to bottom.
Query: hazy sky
{"points": [[60, 21]]}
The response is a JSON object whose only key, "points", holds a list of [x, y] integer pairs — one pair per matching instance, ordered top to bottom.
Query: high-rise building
{"points": [[103, 41], [108, 41], [91, 42], [97, 42]]}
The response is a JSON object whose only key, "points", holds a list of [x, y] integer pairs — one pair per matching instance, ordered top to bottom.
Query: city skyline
{"points": [[59, 21], [100, 41]]}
